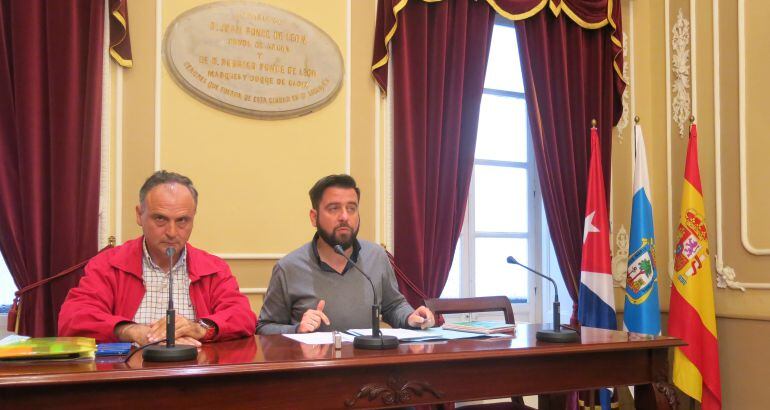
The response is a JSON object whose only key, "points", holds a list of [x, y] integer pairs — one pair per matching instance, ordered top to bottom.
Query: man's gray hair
{"points": [[166, 177]]}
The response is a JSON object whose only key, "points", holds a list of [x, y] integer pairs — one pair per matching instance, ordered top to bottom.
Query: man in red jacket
{"points": [[124, 293]]}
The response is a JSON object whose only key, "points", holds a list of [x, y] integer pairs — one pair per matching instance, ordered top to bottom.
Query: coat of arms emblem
{"points": [[690, 251]]}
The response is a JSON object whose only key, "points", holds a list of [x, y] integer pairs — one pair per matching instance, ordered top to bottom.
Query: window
{"points": [[504, 214], [7, 287]]}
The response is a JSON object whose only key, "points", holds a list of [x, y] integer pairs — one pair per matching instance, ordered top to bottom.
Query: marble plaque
{"points": [[253, 59]]}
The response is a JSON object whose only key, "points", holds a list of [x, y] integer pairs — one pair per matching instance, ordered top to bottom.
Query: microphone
{"points": [[513, 261], [170, 312], [556, 334], [377, 341], [171, 352]]}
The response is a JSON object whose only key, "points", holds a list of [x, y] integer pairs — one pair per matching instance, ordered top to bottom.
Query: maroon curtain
{"points": [[439, 61], [569, 79], [50, 116]]}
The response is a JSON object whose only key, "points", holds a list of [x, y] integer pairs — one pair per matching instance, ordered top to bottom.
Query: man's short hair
{"points": [[166, 177], [338, 180]]}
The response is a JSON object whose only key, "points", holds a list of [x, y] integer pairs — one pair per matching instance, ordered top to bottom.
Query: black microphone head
{"points": [[338, 249], [170, 251], [512, 260]]}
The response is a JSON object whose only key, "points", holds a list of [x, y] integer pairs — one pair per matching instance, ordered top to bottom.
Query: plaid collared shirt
{"points": [[155, 301]]}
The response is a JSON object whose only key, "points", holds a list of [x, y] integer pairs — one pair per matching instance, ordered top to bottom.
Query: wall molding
{"points": [[693, 60], [632, 68], [683, 70], [632, 71], [158, 79], [348, 81], [626, 98], [682, 104], [119, 154], [377, 165], [388, 171], [669, 187], [105, 193], [378, 194], [745, 240], [620, 253], [620, 258], [726, 276], [733, 316]]}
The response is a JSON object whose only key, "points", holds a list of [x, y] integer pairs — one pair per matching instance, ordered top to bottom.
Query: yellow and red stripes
{"points": [[691, 312], [696, 366]]}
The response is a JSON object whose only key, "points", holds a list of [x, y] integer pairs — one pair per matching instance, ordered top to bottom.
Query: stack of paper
{"points": [[480, 327], [404, 335], [427, 335], [317, 338], [49, 348]]}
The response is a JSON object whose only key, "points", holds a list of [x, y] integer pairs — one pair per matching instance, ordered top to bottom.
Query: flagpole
{"points": [[636, 122]]}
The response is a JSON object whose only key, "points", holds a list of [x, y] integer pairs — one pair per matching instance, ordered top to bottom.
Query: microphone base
{"points": [[561, 336], [375, 342], [177, 353]]}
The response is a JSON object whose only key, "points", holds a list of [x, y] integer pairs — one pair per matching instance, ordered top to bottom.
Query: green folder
{"points": [[49, 348]]}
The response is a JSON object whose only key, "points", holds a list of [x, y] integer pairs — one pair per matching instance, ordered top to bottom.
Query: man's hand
{"points": [[422, 317], [312, 318], [186, 331], [132, 332], [187, 340]]}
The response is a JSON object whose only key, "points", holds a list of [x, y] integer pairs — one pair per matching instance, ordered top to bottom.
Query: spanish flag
{"points": [[691, 312]]}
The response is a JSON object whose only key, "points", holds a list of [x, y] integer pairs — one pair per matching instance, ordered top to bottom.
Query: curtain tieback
{"points": [[405, 278], [418, 291], [13, 313]]}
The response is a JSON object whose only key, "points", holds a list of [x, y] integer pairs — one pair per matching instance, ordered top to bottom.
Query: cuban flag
{"points": [[596, 300], [642, 308]]}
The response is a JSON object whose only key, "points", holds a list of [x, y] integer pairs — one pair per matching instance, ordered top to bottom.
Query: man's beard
{"points": [[331, 239]]}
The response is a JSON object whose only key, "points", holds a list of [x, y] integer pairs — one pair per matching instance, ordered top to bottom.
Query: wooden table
{"points": [[276, 372]]}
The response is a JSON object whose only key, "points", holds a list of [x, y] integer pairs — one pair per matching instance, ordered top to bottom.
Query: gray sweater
{"points": [[299, 282]]}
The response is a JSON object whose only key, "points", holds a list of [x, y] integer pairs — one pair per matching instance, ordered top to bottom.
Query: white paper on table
{"points": [[318, 338]]}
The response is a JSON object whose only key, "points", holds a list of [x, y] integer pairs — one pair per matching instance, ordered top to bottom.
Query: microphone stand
{"points": [[556, 334], [377, 341], [170, 352]]}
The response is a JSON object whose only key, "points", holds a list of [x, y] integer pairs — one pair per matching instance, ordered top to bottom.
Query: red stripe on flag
{"points": [[691, 169], [596, 251], [703, 348], [710, 402]]}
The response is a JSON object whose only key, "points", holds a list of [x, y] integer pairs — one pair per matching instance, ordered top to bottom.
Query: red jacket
{"points": [[112, 290]]}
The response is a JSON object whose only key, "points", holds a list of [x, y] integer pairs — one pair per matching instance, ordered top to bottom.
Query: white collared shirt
{"points": [[155, 301]]}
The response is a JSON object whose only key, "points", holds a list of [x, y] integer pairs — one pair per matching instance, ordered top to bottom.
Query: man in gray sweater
{"points": [[315, 289]]}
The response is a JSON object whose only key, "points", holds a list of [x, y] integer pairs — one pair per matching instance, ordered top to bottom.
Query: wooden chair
{"points": [[472, 305], [476, 305]]}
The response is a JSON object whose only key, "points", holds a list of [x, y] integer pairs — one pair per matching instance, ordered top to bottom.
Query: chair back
{"points": [[472, 305]]}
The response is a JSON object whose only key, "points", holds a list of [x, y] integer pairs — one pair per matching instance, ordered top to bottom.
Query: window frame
{"points": [[536, 235]]}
